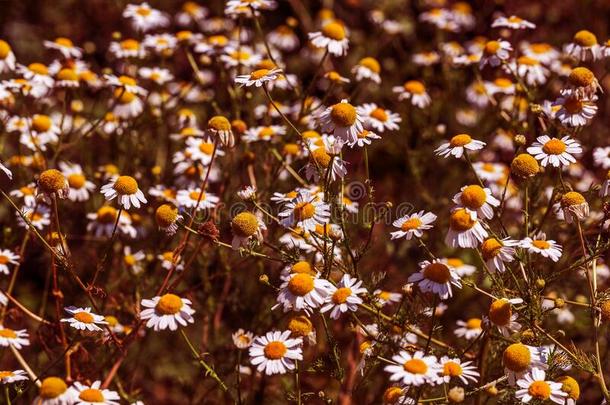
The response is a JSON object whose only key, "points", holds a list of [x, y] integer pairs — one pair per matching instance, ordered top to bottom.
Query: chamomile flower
{"points": [[191, 12], [144, 18], [512, 22], [332, 37], [283, 38], [65, 46], [584, 46], [127, 48], [495, 52], [7, 57], [367, 68], [529, 69], [155, 74], [258, 77], [415, 91], [574, 110], [379, 118], [342, 120], [219, 127], [264, 133], [365, 138], [458, 145], [201, 150], [554, 151], [601, 157], [320, 160], [52, 183], [79, 186], [125, 189], [192, 198], [477, 201], [574, 207], [305, 211], [39, 217], [103, 220], [413, 225], [246, 226], [464, 231], [545, 247], [497, 252], [7, 258], [133, 260], [462, 269], [436, 277], [303, 292], [344, 297], [383, 297], [167, 311], [501, 315], [83, 319], [469, 329], [15, 338], [242, 339], [275, 352], [519, 359], [454, 368], [414, 369], [9, 377], [533, 386], [571, 388], [54, 391], [93, 394]]}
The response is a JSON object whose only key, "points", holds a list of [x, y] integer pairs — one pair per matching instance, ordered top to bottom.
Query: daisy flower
{"points": [[191, 12], [144, 18], [441, 18], [512, 22], [332, 37], [65, 46], [584, 46], [127, 48], [495, 52], [240, 56], [7, 57], [367, 68], [529, 69], [158, 75], [258, 77], [582, 83], [415, 91], [128, 104], [575, 111], [378, 118], [342, 120], [219, 127], [264, 133], [364, 138], [457, 145], [201, 150], [554, 151], [601, 157], [319, 163], [79, 186], [126, 189], [192, 198], [477, 201], [574, 207], [305, 211], [39, 217], [102, 222], [413, 225], [246, 226], [464, 231], [540, 245], [497, 252], [7, 257], [133, 260], [168, 261], [462, 269], [435, 277], [303, 292], [344, 297], [382, 297], [167, 311], [501, 315], [83, 319], [469, 329], [15, 338], [242, 339], [275, 352], [519, 359], [455, 368], [414, 369], [9, 377], [534, 386], [571, 388], [54, 391], [94, 394]]}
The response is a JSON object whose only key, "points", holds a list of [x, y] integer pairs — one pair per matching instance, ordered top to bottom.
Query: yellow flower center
{"points": [[143, 11], [515, 19], [334, 30], [585, 38], [218, 40], [64, 42], [130, 45], [491, 47], [540, 47], [5, 49], [240, 55], [525, 60], [371, 64], [38, 68], [260, 73], [67, 74], [581, 77], [415, 87], [124, 97], [573, 105], [343, 114], [379, 114], [41, 123], [219, 123], [265, 133], [460, 140], [206, 147], [554, 147], [291, 149], [321, 157], [524, 166], [76, 180], [51, 181], [126, 185], [194, 195], [474, 197], [572, 198], [304, 210], [106, 215], [166, 215], [460, 220], [244, 224], [411, 224], [541, 244], [490, 248], [3, 259], [129, 260], [454, 262], [302, 267], [437, 272], [301, 284], [341, 295], [169, 304], [500, 312], [84, 317], [112, 321], [473, 323], [300, 325], [8, 333], [275, 350], [517, 357], [415, 366], [452, 369], [5, 374], [570, 386], [52, 387], [539, 390], [91, 395], [392, 395]]}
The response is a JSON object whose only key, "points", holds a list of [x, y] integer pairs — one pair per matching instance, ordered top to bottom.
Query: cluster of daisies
{"points": [[168, 151]]}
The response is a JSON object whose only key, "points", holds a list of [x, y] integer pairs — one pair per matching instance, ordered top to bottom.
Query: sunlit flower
{"points": [[144, 18], [512, 22], [332, 37], [65, 46], [584, 46], [495, 52], [7, 57], [367, 68], [258, 77], [415, 91], [576, 111], [378, 118], [343, 121], [458, 145], [554, 151], [79, 186], [126, 190], [192, 198], [477, 201], [574, 206], [305, 211], [413, 225], [246, 226], [464, 231], [545, 247], [497, 252], [7, 258], [436, 277], [303, 292], [344, 297], [167, 311], [501, 315], [83, 319], [470, 329], [15, 338], [242, 339], [275, 352], [455, 368], [414, 369], [9, 377], [534, 386], [54, 391], [94, 394]]}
